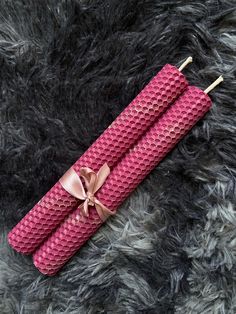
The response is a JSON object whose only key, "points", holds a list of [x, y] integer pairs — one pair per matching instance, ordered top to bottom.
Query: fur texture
{"points": [[67, 69]]}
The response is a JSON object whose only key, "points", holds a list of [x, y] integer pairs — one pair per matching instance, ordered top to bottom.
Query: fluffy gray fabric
{"points": [[67, 69]]}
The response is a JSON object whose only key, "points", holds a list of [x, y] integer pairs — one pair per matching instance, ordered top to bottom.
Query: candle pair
{"points": [[140, 158]]}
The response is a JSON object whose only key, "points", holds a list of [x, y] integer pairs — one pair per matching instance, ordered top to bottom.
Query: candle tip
{"points": [[186, 62], [214, 84]]}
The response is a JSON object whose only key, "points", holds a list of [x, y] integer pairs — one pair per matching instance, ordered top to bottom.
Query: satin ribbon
{"points": [[72, 183]]}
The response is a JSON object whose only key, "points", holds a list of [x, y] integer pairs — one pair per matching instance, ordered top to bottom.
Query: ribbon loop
{"points": [[72, 183]]}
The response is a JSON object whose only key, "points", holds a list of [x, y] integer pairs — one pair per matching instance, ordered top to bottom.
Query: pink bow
{"points": [[72, 183]]}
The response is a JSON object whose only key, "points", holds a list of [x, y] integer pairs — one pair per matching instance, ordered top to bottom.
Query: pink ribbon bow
{"points": [[72, 183]]}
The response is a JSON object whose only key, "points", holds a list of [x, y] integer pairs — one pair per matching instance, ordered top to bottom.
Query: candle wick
{"points": [[186, 62], [214, 84]]}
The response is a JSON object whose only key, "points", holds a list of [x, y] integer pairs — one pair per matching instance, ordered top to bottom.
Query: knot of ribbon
{"points": [[72, 183]]}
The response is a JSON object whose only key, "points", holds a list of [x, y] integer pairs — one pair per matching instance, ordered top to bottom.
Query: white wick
{"points": [[186, 62], [214, 84]]}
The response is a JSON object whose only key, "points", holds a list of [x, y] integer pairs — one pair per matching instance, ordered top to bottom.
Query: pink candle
{"points": [[153, 100], [124, 178]]}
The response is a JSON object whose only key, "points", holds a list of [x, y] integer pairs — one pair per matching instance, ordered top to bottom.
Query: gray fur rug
{"points": [[67, 69]]}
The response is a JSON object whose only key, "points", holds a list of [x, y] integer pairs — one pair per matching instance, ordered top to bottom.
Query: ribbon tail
{"points": [[84, 208], [103, 211]]}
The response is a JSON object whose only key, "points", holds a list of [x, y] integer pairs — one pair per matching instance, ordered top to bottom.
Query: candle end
{"points": [[186, 62]]}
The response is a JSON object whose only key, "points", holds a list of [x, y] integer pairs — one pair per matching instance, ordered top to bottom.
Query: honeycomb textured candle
{"points": [[161, 91], [124, 178]]}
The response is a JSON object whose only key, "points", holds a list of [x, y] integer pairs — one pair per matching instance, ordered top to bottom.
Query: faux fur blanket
{"points": [[67, 69]]}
